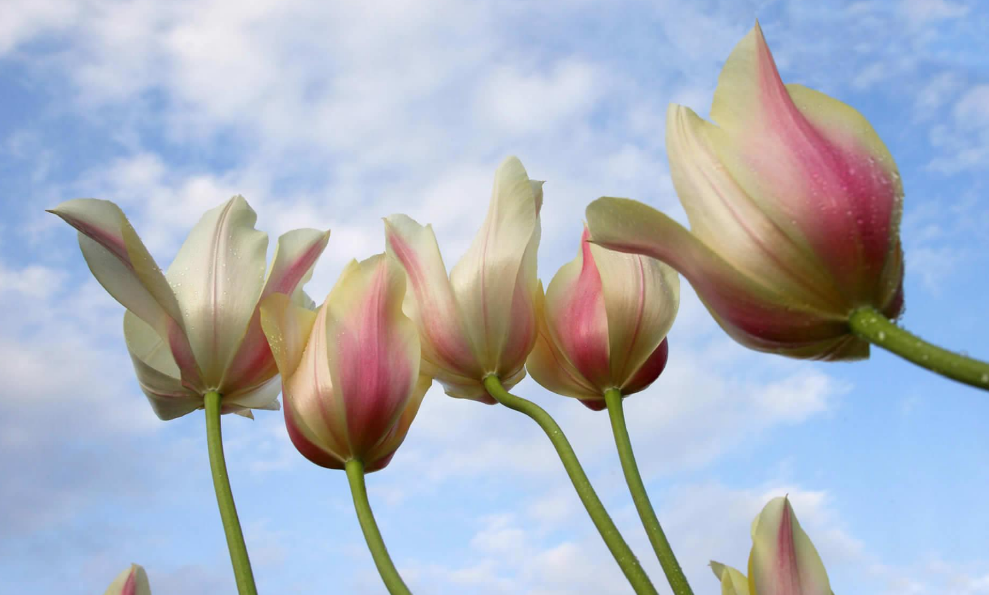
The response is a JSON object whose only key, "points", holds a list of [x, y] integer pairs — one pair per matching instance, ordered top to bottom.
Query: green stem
{"points": [[869, 324], [225, 499], [606, 527], [386, 568], [674, 574]]}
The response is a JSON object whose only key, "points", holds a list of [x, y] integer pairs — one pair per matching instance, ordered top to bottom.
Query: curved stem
{"points": [[871, 325], [225, 499], [606, 527], [386, 568], [674, 574]]}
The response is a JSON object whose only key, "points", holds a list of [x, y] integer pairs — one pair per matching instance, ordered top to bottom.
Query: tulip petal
{"points": [[815, 161], [734, 225], [295, 257], [123, 266], [217, 277], [484, 280], [641, 297], [430, 301], [752, 313], [576, 317], [522, 328], [374, 363], [547, 364], [650, 369], [157, 372], [264, 396], [314, 415], [383, 453], [783, 560], [133, 581], [732, 581]]}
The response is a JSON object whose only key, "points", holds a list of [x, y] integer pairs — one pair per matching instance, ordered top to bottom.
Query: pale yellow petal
{"points": [[217, 277], [484, 280], [156, 370], [133, 581], [732, 581]]}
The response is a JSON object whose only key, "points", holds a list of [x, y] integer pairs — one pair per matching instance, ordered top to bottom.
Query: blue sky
{"points": [[336, 114]]}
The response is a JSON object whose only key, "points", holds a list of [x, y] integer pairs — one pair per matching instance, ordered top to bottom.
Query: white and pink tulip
{"points": [[794, 205], [480, 320], [603, 324], [196, 328], [350, 371], [783, 561], [133, 581]]}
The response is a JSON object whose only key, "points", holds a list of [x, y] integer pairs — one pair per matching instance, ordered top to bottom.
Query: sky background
{"points": [[334, 114]]}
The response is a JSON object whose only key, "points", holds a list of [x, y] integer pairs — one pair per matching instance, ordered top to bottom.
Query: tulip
{"points": [[794, 205], [481, 320], [603, 324], [197, 327], [350, 371], [783, 561], [133, 581]]}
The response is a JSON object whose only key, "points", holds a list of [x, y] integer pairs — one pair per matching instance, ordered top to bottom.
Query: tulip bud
{"points": [[794, 206], [481, 319], [603, 324], [197, 327], [350, 372], [783, 561], [133, 581]]}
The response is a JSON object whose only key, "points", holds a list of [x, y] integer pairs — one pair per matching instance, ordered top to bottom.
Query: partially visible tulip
{"points": [[794, 205], [481, 320], [603, 324], [197, 327], [350, 371], [783, 561], [133, 581]]}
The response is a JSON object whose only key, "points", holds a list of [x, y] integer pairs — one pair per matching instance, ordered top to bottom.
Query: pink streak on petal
{"points": [[850, 197], [579, 324], [438, 325], [521, 331], [185, 358], [650, 369], [375, 379], [787, 570], [130, 586]]}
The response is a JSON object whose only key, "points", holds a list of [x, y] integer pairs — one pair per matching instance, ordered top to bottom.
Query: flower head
{"points": [[794, 206], [481, 319], [603, 324], [196, 328], [350, 371], [783, 561], [133, 581]]}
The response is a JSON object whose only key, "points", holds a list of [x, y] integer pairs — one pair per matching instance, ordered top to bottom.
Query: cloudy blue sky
{"points": [[334, 114]]}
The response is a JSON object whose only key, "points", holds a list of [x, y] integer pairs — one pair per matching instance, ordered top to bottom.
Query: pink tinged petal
{"points": [[816, 162], [733, 224], [295, 257], [124, 267], [217, 277], [484, 280], [641, 297], [429, 300], [756, 315], [577, 319], [522, 328], [374, 359], [550, 367], [650, 370], [157, 372], [263, 396], [314, 415], [382, 454], [783, 561], [133, 581], [732, 581]]}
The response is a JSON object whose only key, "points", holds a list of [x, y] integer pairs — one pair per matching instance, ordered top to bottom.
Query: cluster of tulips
{"points": [[794, 206]]}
